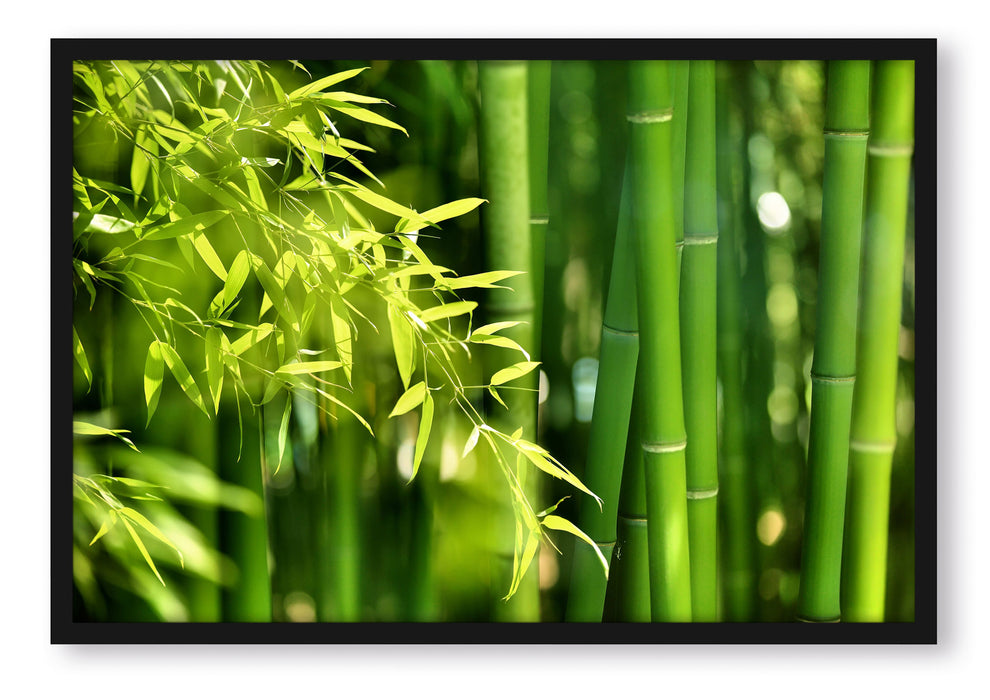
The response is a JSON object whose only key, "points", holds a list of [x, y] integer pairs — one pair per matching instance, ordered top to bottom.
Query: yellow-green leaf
{"points": [[322, 83], [452, 209], [186, 224], [209, 256], [236, 277], [483, 280], [455, 308], [493, 328], [253, 336], [402, 344], [80, 354], [214, 365], [309, 367], [178, 369], [515, 371], [154, 373], [410, 399], [425, 426], [83, 428], [283, 431], [471, 441], [555, 522], [144, 552]]}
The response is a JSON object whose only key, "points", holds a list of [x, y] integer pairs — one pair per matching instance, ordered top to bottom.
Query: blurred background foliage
{"points": [[357, 542]]}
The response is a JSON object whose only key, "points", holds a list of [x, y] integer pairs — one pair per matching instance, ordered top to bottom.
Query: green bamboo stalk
{"points": [[538, 151], [506, 221], [698, 346], [834, 366], [609, 425], [663, 432], [873, 434], [738, 526], [627, 596]]}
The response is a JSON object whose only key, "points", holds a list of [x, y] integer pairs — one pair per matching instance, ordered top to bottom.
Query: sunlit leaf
{"points": [[323, 83], [362, 114], [452, 209], [102, 223], [185, 225], [209, 256], [236, 277], [455, 308], [493, 328], [253, 336], [402, 344], [80, 354], [214, 365], [309, 367], [178, 369], [511, 372], [154, 374], [410, 399], [84, 428], [283, 432], [423, 437], [471, 441], [555, 522], [143, 550]]}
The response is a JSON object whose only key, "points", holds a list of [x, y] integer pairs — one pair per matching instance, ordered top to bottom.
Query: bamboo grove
{"points": [[506, 340]]}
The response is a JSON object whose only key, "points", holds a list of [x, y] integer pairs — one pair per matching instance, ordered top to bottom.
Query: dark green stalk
{"points": [[538, 149], [506, 223], [698, 346], [834, 366], [609, 425], [663, 432], [874, 434], [738, 526], [627, 596]]}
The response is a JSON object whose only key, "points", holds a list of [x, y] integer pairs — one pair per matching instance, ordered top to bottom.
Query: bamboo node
{"points": [[652, 117], [847, 133], [890, 149], [539, 219], [701, 239], [619, 331], [832, 380], [662, 447], [875, 447], [701, 494]]}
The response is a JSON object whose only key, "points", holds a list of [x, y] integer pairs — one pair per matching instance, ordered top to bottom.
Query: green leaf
{"points": [[323, 83], [352, 97], [362, 114], [139, 159], [387, 205], [452, 209], [102, 223], [186, 224], [209, 256], [236, 277], [483, 280], [275, 292], [455, 308], [493, 328], [341, 333], [253, 336], [498, 341], [402, 344], [80, 354], [214, 365], [309, 367], [178, 369], [511, 372], [154, 374], [410, 399], [425, 426], [83, 428], [283, 431], [471, 441], [542, 460], [139, 519], [555, 522], [105, 527], [143, 550], [522, 563]]}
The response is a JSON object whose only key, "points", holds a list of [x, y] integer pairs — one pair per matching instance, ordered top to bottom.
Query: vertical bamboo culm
{"points": [[506, 223], [698, 346], [834, 365], [662, 421], [609, 425], [874, 434]]}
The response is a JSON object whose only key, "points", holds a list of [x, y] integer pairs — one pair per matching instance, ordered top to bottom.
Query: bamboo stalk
{"points": [[538, 152], [506, 221], [698, 347], [834, 366], [609, 425], [663, 432], [873, 434], [736, 509], [627, 596]]}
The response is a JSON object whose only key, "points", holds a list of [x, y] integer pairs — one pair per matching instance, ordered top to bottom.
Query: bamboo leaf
{"points": [[323, 83], [362, 114], [387, 205], [452, 209], [103, 223], [186, 224], [209, 256], [236, 277], [483, 280], [275, 292], [455, 308], [340, 324], [493, 328], [253, 336], [498, 341], [402, 344], [80, 354], [214, 365], [309, 367], [178, 369], [515, 371], [154, 374], [410, 399], [425, 426], [83, 428], [283, 431], [471, 441], [541, 459], [139, 519], [555, 522], [105, 527], [141, 548], [521, 564]]}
